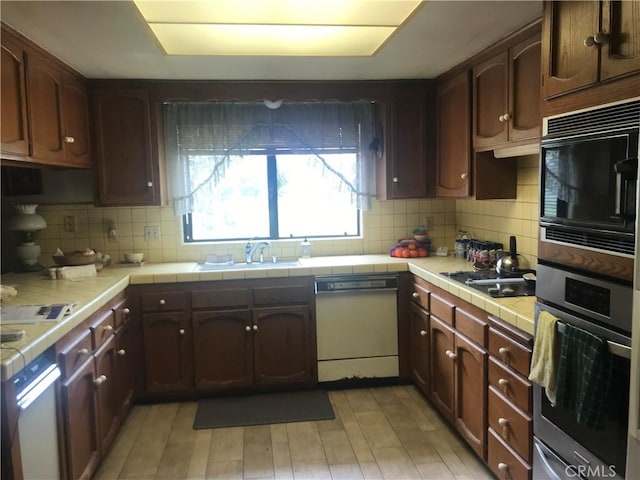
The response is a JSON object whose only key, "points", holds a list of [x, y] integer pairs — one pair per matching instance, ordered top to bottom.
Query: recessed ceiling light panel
{"points": [[275, 27]]}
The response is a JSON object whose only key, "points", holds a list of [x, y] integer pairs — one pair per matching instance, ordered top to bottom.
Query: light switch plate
{"points": [[151, 233]]}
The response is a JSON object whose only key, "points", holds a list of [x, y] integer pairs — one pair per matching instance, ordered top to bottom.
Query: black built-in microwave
{"points": [[589, 178]]}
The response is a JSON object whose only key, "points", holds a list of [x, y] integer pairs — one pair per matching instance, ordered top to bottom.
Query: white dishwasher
{"points": [[357, 326]]}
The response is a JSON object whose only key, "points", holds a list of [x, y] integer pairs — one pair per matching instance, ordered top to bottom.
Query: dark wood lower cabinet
{"points": [[281, 343], [419, 347], [126, 348], [222, 349], [167, 352], [106, 365], [442, 367], [470, 388], [80, 413]]}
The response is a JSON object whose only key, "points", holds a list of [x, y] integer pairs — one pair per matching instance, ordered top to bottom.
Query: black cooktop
{"points": [[488, 282]]}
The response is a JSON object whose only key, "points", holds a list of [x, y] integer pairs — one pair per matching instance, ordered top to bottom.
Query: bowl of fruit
{"points": [[409, 248]]}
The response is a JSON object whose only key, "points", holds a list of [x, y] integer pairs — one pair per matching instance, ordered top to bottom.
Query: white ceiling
{"points": [[109, 39]]}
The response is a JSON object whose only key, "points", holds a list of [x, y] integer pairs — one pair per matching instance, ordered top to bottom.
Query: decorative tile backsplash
{"points": [[382, 226]]}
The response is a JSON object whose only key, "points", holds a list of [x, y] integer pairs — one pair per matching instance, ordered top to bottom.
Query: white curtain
{"points": [[223, 130]]}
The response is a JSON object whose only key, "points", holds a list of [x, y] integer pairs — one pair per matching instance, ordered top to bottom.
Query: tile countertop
{"points": [[92, 293]]}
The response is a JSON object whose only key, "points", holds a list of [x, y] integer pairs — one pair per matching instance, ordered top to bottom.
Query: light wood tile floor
{"points": [[378, 433]]}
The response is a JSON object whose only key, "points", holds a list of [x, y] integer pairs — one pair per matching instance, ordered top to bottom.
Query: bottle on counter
{"points": [[305, 248]]}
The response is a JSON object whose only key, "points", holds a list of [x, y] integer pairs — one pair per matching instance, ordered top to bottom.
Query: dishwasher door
{"points": [[357, 334], [37, 421]]}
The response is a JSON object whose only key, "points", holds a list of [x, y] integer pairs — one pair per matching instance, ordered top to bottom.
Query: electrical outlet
{"points": [[69, 223], [428, 223], [151, 233]]}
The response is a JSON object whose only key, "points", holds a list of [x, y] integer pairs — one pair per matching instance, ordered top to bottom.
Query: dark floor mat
{"points": [[260, 409]]}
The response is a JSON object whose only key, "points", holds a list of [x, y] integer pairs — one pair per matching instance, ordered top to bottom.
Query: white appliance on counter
{"points": [[357, 326]]}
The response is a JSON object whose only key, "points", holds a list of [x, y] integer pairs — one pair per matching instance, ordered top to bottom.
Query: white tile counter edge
{"points": [[93, 293]]}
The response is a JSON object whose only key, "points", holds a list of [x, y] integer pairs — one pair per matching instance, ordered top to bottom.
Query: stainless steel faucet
{"points": [[250, 249]]}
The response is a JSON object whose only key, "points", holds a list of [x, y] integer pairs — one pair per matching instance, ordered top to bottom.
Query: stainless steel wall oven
{"points": [[564, 448]]}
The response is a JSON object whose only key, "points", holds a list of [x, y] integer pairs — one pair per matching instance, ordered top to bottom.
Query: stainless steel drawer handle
{"points": [[415, 295], [163, 301], [126, 311], [108, 328], [247, 328], [424, 333], [83, 351], [504, 351], [122, 352], [100, 380], [503, 382], [503, 422], [503, 467]]}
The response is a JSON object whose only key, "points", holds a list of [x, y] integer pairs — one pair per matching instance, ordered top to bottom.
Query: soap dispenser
{"points": [[305, 247]]}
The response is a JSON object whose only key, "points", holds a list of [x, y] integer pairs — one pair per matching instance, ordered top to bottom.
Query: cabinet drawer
{"points": [[420, 293], [281, 295], [221, 298], [165, 301], [441, 308], [472, 323], [101, 329], [509, 351], [74, 355], [511, 385], [515, 427], [503, 461]]}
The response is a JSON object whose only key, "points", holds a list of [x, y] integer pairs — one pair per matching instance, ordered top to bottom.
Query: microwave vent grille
{"points": [[614, 116], [592, 239]]}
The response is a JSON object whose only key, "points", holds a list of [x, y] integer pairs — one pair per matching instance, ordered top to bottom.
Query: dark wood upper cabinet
{"points": [[588, 42], [506, 93], [75, 114], [45, 116], [524, 116], [453, 128], [15, 138], [408, 142], [127, 170]]}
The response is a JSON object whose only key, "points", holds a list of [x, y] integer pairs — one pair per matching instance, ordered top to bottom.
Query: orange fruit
{"points": [[406, 253]]}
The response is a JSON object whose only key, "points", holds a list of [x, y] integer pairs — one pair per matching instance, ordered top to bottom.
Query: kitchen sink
{"points": [[210, 267]]}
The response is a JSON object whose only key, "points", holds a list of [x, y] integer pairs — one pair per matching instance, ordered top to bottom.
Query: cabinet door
{"points": [[620, 54], [567, 64], [524, 81], [490, 101], [75, 110], [45, 117], [453, 124], [14, 133], [126, 174], [407, 174], [283, 345], [419, 345], [222, 349], [167, 352], [126, 358], [442, 367], [107, 378], [471, 393], [80, 416]]}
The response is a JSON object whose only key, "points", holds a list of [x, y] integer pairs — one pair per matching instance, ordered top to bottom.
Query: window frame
{"points": [[272, 186]]}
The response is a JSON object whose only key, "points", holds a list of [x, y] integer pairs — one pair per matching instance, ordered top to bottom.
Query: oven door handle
{"points": [[626, 172], [615, 348], [545, 463]]}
